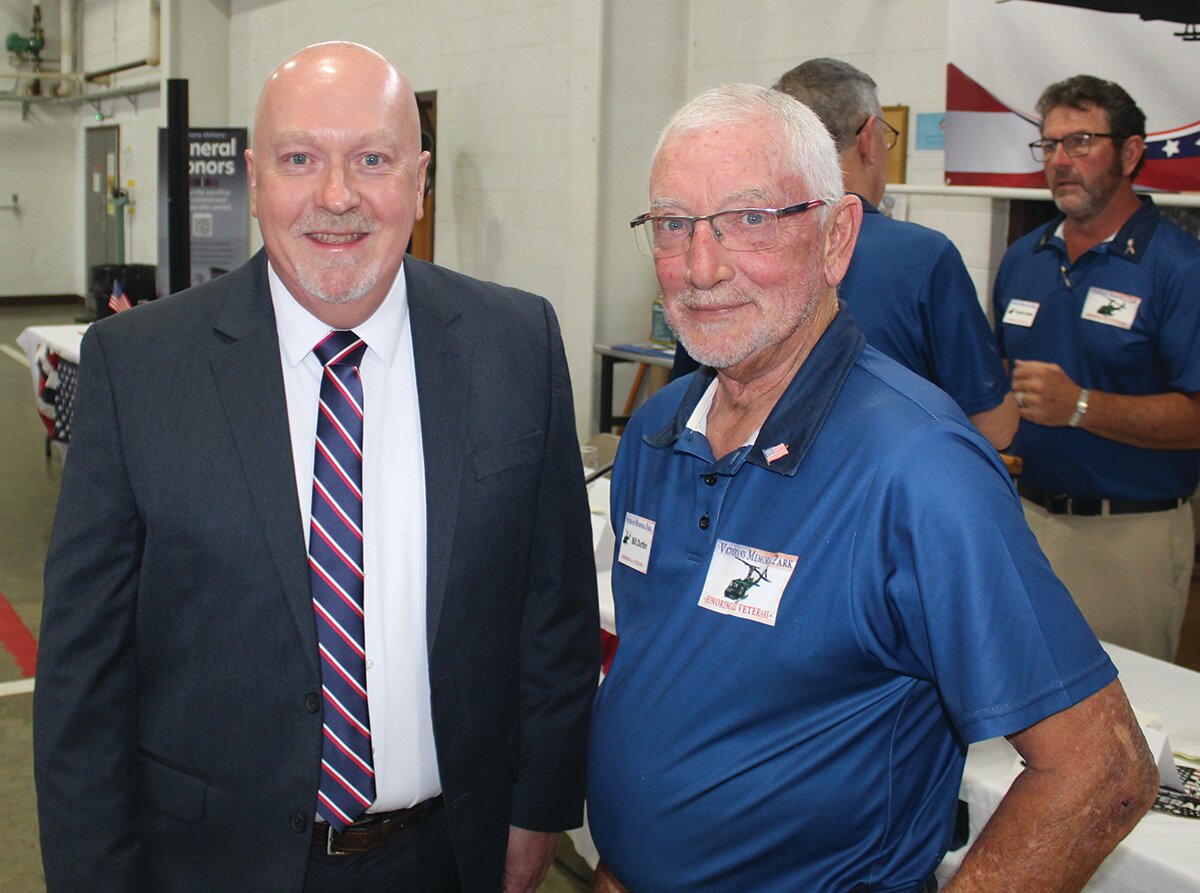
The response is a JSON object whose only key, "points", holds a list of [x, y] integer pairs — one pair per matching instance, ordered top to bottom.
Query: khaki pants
{"points": [[1129, 574]]}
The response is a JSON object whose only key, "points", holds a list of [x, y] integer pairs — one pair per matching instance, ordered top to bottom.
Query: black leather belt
{"points": [[1061, 504], [373, 830]]}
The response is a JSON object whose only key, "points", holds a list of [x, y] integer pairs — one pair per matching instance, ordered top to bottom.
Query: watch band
{"points": [[1081, 408]]}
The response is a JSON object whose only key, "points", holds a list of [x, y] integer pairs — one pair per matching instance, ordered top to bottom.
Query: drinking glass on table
{"points": [[591, 460]]}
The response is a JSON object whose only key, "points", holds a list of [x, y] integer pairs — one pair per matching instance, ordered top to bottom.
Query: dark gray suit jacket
{"points": [[177, 711]]}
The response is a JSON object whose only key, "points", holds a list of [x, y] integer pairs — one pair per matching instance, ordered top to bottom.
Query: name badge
{"points": [[1112, 308], [1021, 313], [636, 540], [746, 582]]}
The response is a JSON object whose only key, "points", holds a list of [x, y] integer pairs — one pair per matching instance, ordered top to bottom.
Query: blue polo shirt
{"points": [[911, 294], [1124, 318], [824, 621]]}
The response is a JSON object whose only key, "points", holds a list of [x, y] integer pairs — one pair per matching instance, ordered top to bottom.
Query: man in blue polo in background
{"points": [[907, 285], [1099, 314], [824, 586]]}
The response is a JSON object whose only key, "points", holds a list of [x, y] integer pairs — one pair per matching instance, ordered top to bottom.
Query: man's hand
{"points": [[1044, 393], [530, 854], [604, 881]]}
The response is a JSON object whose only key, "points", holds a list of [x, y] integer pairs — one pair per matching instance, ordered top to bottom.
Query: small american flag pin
{"points": [[776, 452]]}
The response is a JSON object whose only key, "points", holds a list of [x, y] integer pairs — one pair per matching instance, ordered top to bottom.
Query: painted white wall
{"points": [[547, 112], [37, 163]]}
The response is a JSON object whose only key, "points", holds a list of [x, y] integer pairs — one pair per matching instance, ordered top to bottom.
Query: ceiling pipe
{"points": [[67, 12], [153, 47], [70, 89], [84, 98]]}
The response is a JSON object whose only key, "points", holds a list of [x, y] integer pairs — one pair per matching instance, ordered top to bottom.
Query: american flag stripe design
{"points": [[335, 549]]}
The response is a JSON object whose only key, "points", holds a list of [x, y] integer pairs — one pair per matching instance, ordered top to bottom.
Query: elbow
{"points": [[1134, 790]]}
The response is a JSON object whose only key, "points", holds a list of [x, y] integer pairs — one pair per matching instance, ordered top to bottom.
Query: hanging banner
{"points": [[1001, 56], [218, 188]]}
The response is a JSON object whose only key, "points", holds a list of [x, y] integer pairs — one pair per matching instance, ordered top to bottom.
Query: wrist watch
{"points": [[1081, 406]]}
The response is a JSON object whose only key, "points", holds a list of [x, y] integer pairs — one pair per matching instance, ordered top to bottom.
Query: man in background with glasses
{"points": [[907, 285], [1098, 313], [824, 586]]}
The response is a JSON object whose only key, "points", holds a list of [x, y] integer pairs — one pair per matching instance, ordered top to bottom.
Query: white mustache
{"points": [[350, 222], [721, 296]]}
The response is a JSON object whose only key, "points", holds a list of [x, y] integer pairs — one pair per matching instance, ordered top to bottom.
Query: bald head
{"points": [[339, 67], [337, 177]]}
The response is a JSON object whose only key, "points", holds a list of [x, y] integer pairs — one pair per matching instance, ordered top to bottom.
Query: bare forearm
{"points": [[1156, 422], [999, 424], [1089, 778]]}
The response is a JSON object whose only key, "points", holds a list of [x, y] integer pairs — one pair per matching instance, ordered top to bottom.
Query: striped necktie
{"points": [[335, 560]]}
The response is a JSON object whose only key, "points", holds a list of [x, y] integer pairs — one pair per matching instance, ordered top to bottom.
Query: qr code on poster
{"points": [[202, 226]]}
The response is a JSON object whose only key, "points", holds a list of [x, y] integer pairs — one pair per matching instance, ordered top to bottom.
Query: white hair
{"points": [[813, 156]]}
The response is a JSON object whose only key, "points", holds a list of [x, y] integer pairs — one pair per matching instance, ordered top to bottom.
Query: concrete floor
{"points": [[28, 491]]}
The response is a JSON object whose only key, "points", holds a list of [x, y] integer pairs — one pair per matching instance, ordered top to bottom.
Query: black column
{"points": [[179, 212]]}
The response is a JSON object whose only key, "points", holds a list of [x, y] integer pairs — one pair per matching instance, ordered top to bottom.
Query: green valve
{"points": [[15, 43]]}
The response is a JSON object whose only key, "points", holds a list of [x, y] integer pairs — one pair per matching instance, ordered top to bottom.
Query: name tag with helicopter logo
{"points": [[1113, 308], [636, 541], [746, 582]]}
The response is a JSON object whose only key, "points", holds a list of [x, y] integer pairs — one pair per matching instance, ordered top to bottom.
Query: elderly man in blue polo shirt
{"points": [[1099, 314], [824, 585]]}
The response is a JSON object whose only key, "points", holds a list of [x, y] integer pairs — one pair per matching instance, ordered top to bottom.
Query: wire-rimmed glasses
{"points": [[740, 229]]}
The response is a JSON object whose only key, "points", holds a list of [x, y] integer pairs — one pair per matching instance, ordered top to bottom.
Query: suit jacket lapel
{"points": [[442, 361], [245, 364]]}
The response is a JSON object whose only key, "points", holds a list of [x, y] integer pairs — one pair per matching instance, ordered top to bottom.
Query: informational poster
{"points": [[1002, 55], [220, 203]]}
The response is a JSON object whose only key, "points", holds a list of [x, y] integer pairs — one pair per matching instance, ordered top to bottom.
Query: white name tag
{"points": [[1112, 308], [1021, 313], [636, 540], [746, 582]]}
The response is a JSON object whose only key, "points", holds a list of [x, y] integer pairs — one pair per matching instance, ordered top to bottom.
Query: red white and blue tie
{"points": [[335, 560]]}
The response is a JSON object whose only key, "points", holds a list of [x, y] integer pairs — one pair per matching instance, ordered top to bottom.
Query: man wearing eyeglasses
{"points": [[907, 285], [1098, 314], [824, 586]]}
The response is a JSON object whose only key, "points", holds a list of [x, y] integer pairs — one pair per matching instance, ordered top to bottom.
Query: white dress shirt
{"points": [[394, 534]]}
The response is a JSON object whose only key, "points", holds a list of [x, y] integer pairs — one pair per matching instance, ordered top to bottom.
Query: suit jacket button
{"points": [[312, 702], [299, 823]]}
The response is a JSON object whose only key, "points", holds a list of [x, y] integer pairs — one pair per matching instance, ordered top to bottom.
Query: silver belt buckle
{"points": [[329, 844]]}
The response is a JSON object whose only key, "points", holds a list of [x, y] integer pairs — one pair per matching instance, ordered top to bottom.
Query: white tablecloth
{"points": [[62, 340]]}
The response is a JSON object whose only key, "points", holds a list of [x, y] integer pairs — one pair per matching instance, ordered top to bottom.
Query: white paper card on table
{"points": [[1160, 746]]}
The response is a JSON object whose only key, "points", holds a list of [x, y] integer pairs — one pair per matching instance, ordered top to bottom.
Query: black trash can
{"points": [[137, 282]]}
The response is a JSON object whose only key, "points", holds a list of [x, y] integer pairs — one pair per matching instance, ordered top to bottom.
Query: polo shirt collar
{"points": [[1130, 241], [798, 416]]}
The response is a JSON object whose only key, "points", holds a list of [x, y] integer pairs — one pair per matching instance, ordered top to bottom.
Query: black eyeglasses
{"points": [[890, 134], [1075, 145], [742, 229]]}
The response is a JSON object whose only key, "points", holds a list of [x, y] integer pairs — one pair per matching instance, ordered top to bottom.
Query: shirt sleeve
{"points": [[1179, 326], [965, 357], [959, 593]]}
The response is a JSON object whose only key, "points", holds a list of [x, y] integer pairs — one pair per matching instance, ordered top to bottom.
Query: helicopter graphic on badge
{"points": [[746, 582]]}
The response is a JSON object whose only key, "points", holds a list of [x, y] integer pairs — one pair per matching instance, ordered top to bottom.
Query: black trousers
{"points": [[421, 861]]}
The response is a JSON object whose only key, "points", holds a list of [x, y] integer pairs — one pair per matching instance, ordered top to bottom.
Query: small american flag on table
{"points": [[118, 300]]}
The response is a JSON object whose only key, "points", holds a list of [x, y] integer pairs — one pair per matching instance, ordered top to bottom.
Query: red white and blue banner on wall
{"points": [[1002, 55]]}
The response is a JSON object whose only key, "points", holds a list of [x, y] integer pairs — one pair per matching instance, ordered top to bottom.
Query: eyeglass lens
{"points": [[740, 230]]}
